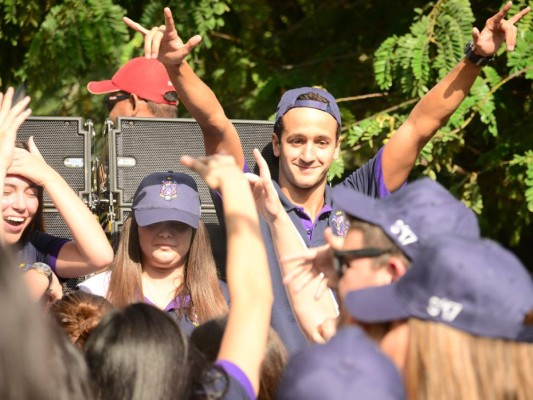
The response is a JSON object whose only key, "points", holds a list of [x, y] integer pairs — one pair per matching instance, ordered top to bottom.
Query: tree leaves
{"points": [[462, 153]]}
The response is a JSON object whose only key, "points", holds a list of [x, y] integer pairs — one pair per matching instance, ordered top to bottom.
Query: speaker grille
{"points": [[58, 139], [154, 145]]}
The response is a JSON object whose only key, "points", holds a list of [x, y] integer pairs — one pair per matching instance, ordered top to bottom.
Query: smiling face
{"points": [[306, 149], [19, 206], [165, 245]]}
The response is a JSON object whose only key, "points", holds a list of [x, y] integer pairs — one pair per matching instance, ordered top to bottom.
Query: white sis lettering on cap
{"points": [[404, 232], [439, 306]]}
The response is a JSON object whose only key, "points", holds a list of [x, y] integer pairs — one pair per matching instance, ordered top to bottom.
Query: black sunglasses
{"points": [[113, 99], [343, 257]]}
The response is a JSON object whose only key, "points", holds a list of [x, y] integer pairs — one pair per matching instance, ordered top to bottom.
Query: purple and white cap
{"points": [[290, 100], [167, 196], [411, 215], [474, 285]]}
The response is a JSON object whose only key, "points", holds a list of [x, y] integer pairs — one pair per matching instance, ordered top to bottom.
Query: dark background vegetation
{"points": [[377, 57]]}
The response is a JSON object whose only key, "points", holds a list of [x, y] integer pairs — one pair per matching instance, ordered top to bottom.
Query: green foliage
{"points": [[253, 50], [407, 59], [468, 154], [526, 161]]}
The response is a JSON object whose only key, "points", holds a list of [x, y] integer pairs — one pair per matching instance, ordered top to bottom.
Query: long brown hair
{"points": [[37, 222], [200, 279], [446, 363]]}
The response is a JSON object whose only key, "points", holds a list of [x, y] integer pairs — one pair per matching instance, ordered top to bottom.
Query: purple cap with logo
{"points": [[290, 100], [167, 196], [411, 215], [473, 285], [350, 365]]}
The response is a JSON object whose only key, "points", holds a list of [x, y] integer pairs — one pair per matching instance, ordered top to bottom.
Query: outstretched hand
{"points": [[496, 31], [163, 42], [10, 120], [31, 164], [266, 198]]}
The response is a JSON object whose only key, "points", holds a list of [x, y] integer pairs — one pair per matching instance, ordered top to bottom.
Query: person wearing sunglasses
{"points": [[140, 88], [383, 237]]}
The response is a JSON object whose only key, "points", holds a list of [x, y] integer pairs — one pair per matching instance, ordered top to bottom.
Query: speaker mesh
{"points": [[58, 139], [155, 145]]}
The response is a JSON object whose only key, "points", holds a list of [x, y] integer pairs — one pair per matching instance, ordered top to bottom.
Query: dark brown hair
{"points": [[278, 126], [37, 222], [208, 337]]}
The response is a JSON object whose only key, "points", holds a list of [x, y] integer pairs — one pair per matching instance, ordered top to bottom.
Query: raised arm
{"points": [[163, 43], [434, 109], [11, 117], [90, 250], [309, 309], [245, 338]]}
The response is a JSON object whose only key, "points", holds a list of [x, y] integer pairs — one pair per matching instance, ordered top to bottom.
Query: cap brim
{"points": [[101, 87], [356, 204], [156, 215], [376, 304]]}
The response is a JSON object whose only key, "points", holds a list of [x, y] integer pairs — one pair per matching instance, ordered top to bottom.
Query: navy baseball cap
{"points": [[289, 100], [167, 196], [411, 215], [473, 285], [350, 365]]}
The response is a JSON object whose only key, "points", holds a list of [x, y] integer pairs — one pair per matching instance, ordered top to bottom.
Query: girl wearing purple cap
{"points": [[164, 255], [138, 352]]}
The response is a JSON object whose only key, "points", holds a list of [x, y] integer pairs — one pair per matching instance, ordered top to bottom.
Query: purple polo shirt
{"points": [[367, 179], [380, 187], [172, 308]]}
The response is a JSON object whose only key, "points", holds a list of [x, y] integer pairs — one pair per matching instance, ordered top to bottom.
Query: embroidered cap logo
{"points": [[169, 189], [340, 224], [403, 232], [439, 306]]}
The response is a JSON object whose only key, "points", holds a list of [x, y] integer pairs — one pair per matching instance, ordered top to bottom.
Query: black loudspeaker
{"points": [[65, 144], [141, 146]]}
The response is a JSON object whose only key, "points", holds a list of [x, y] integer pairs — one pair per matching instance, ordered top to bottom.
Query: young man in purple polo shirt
{"points": [[306, 139]]}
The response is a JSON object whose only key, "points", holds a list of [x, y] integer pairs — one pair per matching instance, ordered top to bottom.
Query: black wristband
{"points": [[473, 57]]}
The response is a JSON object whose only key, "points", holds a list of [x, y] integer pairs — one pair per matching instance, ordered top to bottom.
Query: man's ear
{"points": [[134, 102], [276, 145], [397, 268]]}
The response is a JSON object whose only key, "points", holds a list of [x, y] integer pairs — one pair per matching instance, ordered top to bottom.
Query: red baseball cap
{"points": [[147, 78]]}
